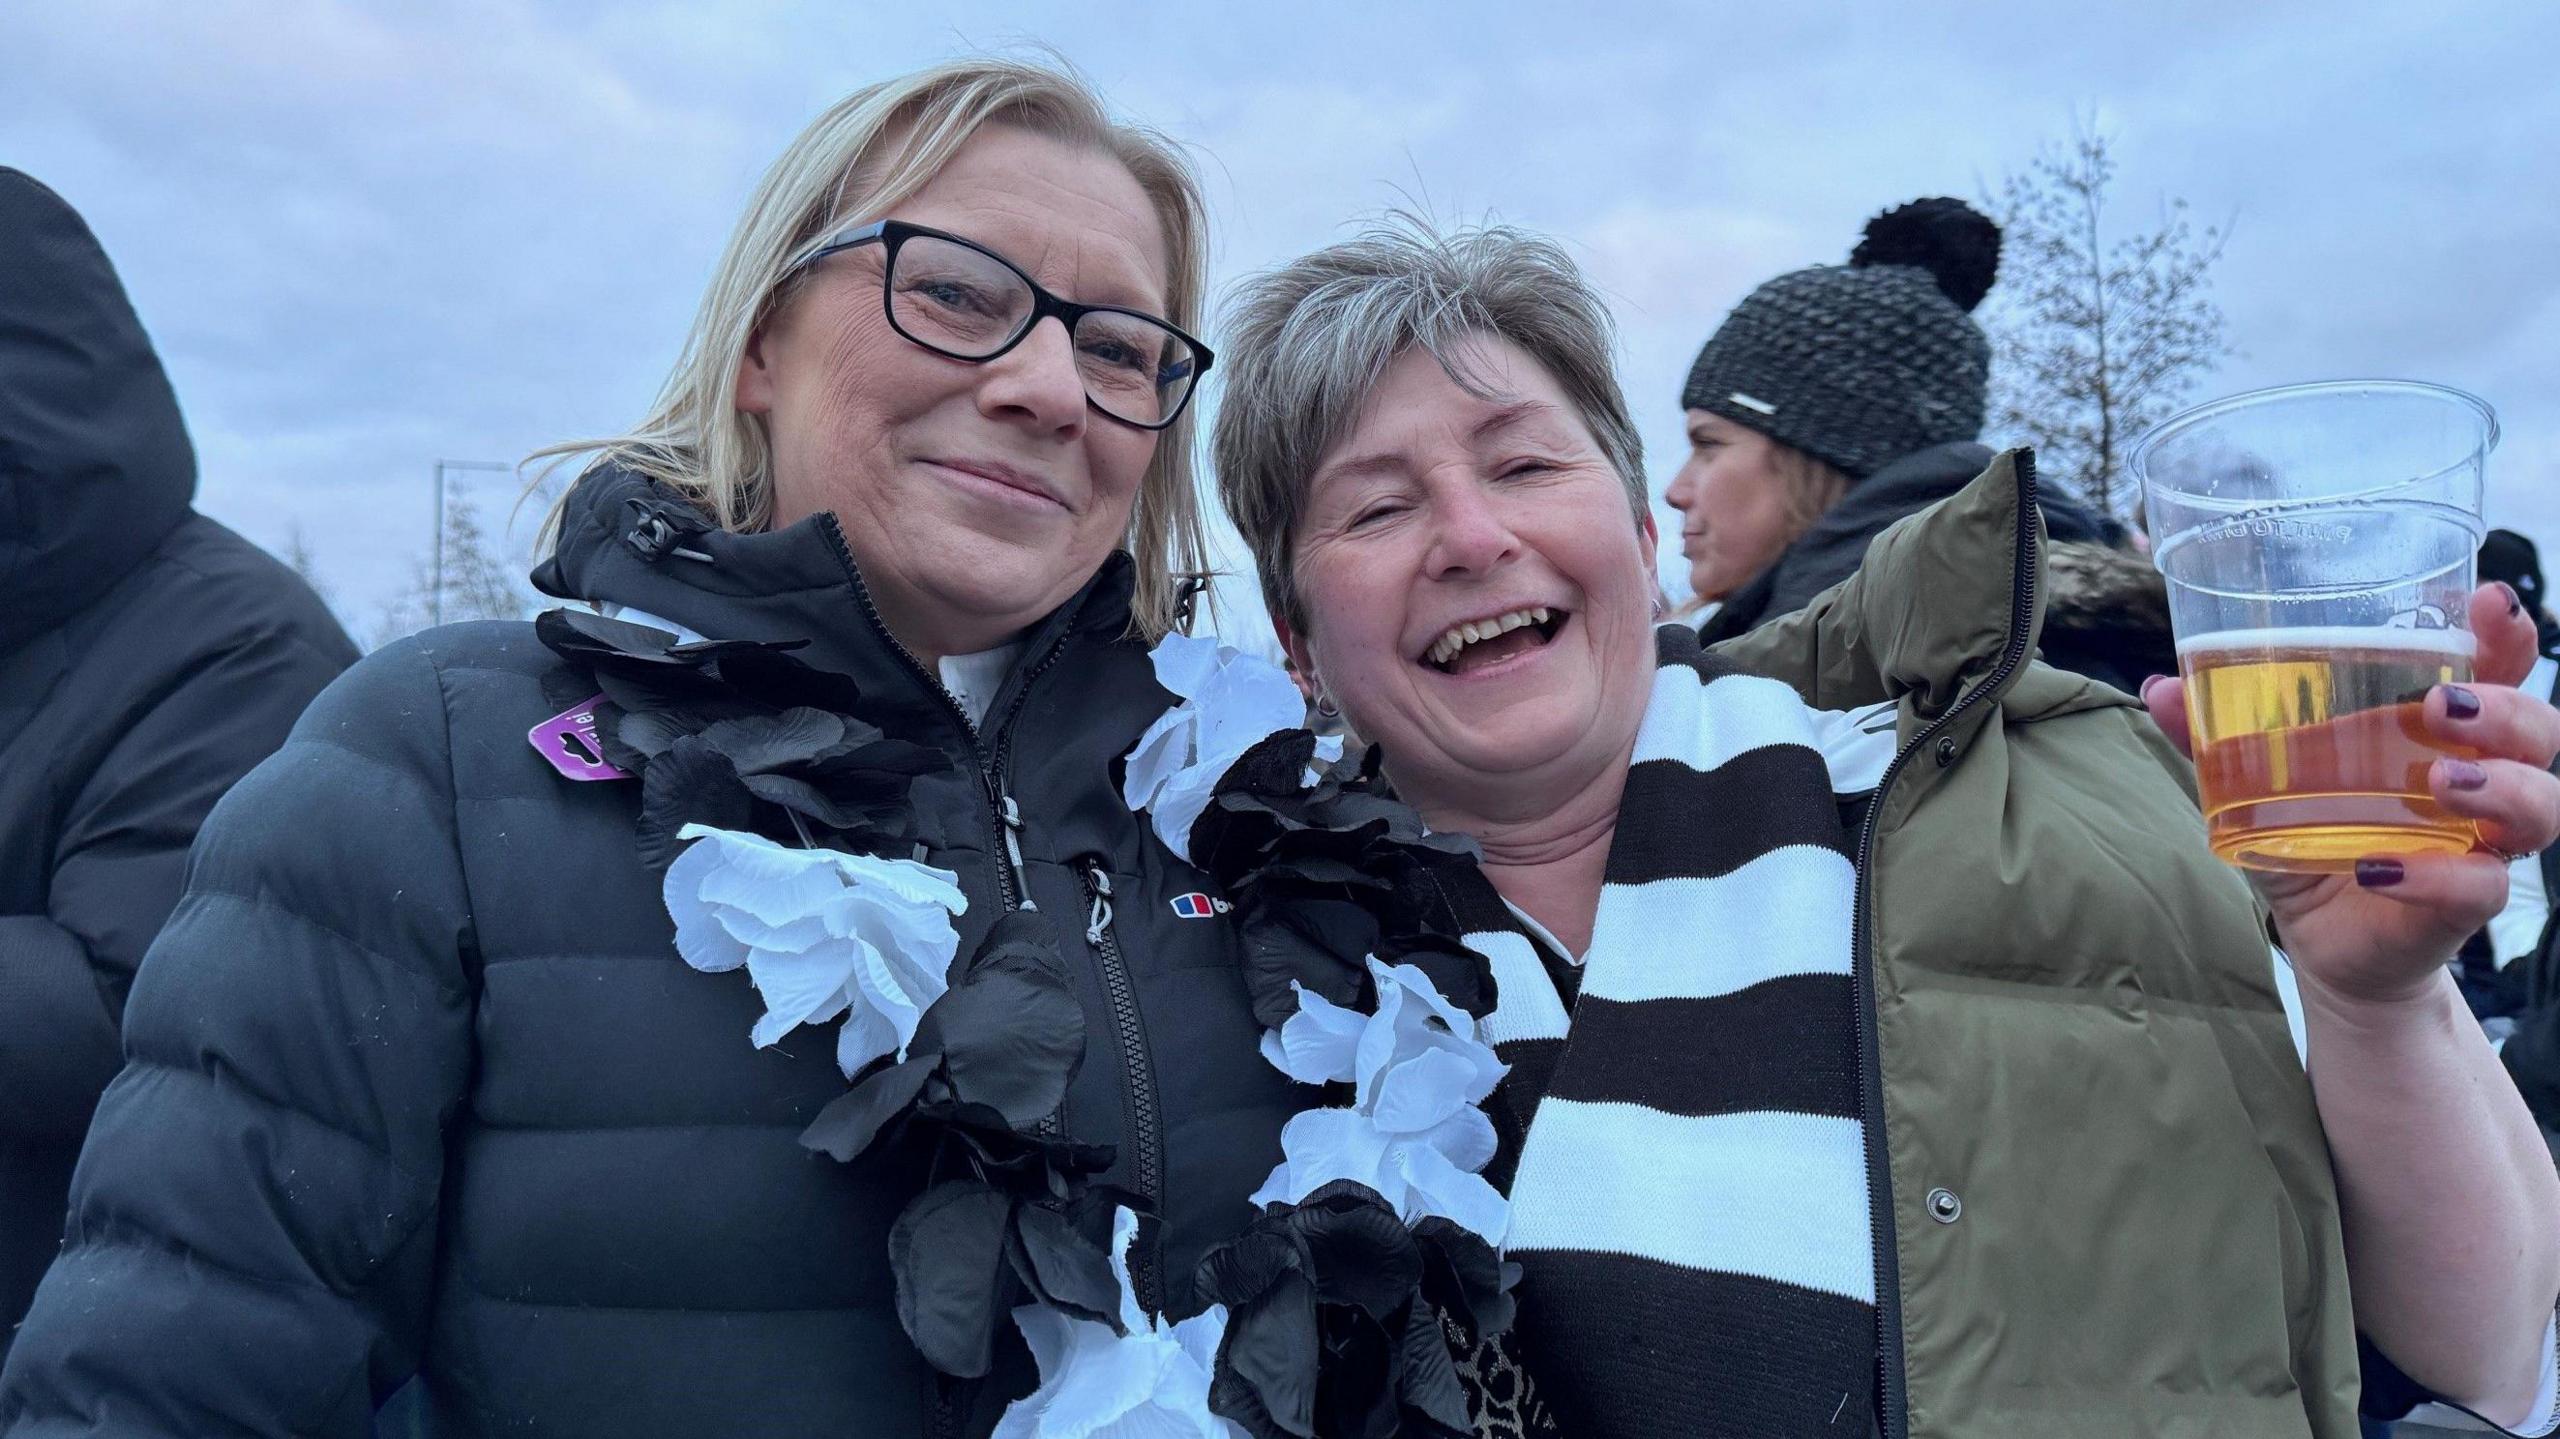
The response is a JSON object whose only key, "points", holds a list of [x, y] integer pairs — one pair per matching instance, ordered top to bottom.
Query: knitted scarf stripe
{"points": [[1681, 1139]]}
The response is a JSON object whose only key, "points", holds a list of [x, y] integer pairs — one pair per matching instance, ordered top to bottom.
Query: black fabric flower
{"points": [[639, 667], [739, 734], [832, 771], [1325, 875], [990, 1063], [989, 1067], [964, 1253], [1333, 1319]]}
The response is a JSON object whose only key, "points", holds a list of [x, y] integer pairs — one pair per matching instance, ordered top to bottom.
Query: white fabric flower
{"points": [[1231, 702], [821, 932], [1414, 1131], [1150, 1383]]}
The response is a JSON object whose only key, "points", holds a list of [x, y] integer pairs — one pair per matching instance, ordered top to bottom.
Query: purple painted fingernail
{"points": [[2460, 703], [2463, 774], [2379, 873]]}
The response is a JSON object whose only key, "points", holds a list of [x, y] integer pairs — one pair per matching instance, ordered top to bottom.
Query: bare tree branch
{"points": [[2095, 337], [478, 584]]}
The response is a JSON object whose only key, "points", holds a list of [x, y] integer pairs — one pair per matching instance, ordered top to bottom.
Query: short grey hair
{"points": [[1305, 345]]}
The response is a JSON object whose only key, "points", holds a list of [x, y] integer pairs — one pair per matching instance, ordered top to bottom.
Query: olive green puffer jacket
{"points": [[2111, 1209]]}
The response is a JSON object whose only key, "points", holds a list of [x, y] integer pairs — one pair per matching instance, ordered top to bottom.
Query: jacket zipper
{"points": [[1004, 816], [1006, 825], [1013, 887], [1139, 1093], [1892, 1383], [952, 1402]]}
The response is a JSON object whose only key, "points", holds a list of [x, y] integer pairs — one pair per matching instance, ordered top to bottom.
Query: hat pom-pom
{"points": [[1958, 245]]}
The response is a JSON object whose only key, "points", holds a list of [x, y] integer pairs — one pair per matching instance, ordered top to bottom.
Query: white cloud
{"points": [[369, 237]]}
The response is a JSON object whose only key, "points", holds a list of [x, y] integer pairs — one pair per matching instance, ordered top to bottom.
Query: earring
{"points": [[1325, 705]]}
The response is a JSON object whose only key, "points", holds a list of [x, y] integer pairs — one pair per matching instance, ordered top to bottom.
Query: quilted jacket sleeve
{"points": [[118, 867], [253, 1223]]}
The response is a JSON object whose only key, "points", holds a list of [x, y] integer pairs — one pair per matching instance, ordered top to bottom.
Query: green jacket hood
{"points": [[1948, 599]]}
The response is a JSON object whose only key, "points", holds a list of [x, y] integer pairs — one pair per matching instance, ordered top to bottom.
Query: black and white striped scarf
{"points": [[1682, 1140]]}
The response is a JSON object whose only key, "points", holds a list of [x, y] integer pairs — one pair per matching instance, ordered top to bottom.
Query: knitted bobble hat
{"points": [[1861, 364]]}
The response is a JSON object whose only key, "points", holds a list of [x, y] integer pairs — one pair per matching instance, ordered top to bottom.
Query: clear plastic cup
{"points": [[2320, 544]]}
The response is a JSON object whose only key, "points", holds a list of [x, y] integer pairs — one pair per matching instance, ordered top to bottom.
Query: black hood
{"points": [[95, 467], [2093, 586]]}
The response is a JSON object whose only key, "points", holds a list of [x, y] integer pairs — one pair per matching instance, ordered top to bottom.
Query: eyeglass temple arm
{"points": [[841, 240]]}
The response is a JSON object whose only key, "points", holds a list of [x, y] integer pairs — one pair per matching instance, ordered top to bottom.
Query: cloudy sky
{"points": [[368, 237]]}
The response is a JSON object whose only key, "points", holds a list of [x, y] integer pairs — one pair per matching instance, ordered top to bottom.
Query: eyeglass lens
{"points": [[969, 305]]}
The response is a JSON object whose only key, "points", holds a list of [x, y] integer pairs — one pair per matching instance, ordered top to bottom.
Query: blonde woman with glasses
{"points": [[440, 1070]]}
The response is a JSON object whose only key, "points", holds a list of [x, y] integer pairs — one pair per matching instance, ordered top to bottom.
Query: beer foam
{"points": [[2449, 643]]}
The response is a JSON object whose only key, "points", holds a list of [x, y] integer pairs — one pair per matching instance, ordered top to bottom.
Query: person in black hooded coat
{"points": [[1837, 400], [148, 658], [420, 1082]]}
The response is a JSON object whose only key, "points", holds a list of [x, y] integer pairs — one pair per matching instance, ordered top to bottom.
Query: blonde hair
{"points": [[865, 155], [1813, 486]]}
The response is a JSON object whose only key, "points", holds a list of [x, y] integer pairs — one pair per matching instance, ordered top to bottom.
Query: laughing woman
{"points": [[1887, 1052], [422, 1080]]}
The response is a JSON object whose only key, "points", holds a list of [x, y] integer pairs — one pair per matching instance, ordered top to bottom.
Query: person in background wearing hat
{"points": [[1835, 400]]}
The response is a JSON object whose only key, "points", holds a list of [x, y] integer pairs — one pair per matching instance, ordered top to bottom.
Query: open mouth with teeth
{"points": [[1475, 644]]}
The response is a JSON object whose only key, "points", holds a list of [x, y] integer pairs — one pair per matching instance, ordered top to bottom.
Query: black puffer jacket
{"points": [[2107, 613], [148, 658], [420, 1083]]}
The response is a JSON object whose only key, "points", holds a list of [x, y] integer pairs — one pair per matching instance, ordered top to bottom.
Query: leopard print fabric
{"points": [[1502, 1401]]}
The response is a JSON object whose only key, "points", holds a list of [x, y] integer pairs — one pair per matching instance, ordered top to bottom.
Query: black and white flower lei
{"points": [[783, 824]]}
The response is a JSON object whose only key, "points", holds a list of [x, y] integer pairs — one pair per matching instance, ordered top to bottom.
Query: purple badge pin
{"points": [[568, 740]]}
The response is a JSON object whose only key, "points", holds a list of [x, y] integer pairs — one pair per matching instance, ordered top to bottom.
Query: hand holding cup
{"points": [[2383, 931]]}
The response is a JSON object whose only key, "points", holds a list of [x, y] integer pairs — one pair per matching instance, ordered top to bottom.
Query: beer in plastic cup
{"points": [[2319, 543]]}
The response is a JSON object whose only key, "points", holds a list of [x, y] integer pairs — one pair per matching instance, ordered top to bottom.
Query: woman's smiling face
{"points": [[976, 498], [1477, 591]]}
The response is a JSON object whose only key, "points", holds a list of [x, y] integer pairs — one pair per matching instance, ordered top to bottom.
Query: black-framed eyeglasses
{"points": [[960, 299]]}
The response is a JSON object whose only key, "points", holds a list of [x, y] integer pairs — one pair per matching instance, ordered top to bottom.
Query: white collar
{"points": [[974, 679], [1544, 935]]}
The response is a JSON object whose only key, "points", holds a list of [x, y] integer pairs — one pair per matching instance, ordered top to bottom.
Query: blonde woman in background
{"points": [[1838, 399]]}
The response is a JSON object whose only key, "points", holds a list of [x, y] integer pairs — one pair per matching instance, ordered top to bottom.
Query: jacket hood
{"points": [[95, 466], [1832, 549], [1829, 552], [1933, 610], [2107, 616]]}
